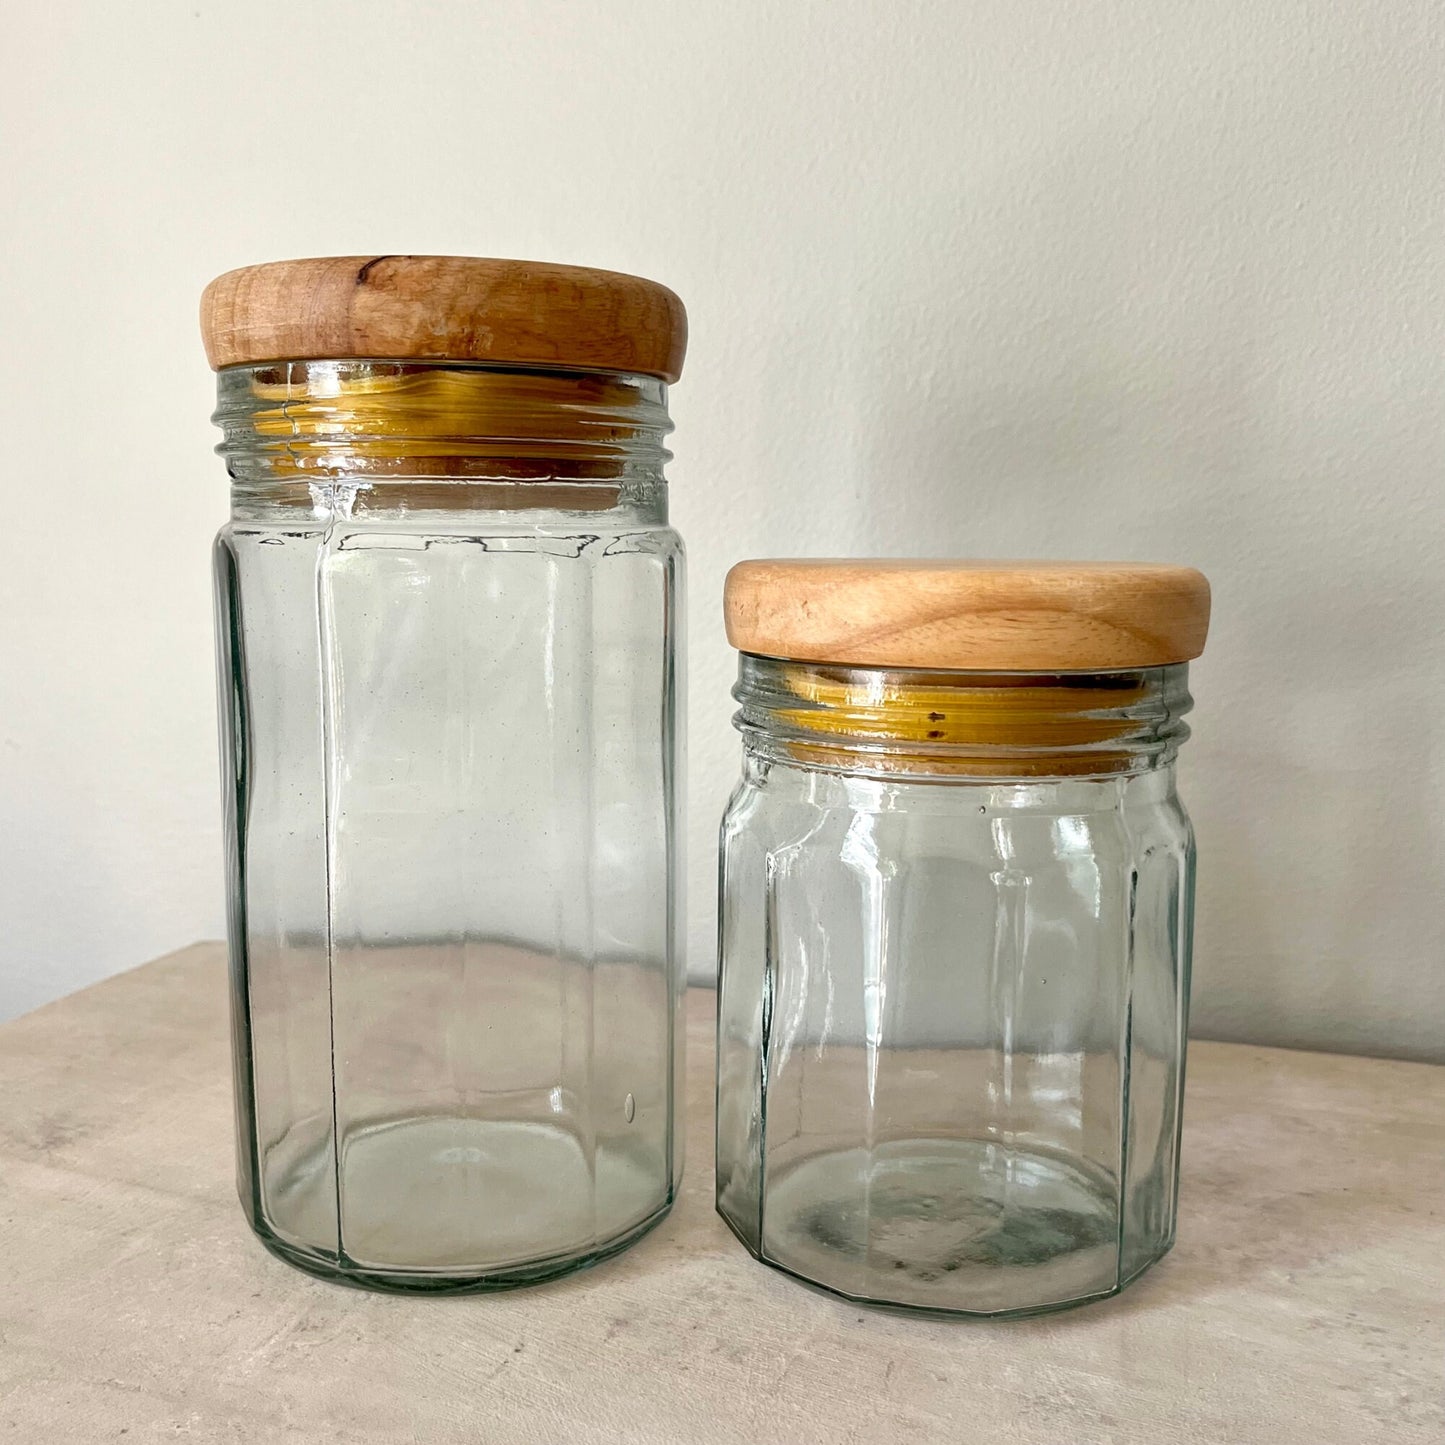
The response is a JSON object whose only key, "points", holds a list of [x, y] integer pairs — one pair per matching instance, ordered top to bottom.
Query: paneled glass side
{"points": [[270, 708], [231, 721], [750, 829], [504, 979], [741, 1004], [1159, 1008], [942, 1069]]}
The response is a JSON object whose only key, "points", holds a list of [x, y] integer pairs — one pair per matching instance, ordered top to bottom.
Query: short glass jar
{"points": [[448, 606], [955, 928]]}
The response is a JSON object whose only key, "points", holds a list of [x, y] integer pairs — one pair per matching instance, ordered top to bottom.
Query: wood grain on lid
{"points": [[443, 308], [1003, 616]]}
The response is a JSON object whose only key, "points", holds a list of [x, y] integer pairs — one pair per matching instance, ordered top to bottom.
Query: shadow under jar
{"points": [[448, 607], [955, 925]]}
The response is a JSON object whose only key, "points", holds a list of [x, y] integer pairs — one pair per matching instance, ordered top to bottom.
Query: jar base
{"points": [[945, 1227], [518, 1276]]}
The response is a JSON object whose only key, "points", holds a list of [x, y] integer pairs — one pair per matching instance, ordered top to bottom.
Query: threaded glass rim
{"points": [[438, 422], [961, 724]]}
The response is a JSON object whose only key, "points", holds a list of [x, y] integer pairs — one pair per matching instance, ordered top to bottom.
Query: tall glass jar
{"points": [[449, 624], [955, 927]]}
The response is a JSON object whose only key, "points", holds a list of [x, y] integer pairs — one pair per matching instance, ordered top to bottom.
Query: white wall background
{"points": [[1145, 279]]}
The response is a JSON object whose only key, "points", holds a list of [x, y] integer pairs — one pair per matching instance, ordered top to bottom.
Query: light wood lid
{"points": [[443, 308], [987, 616]]}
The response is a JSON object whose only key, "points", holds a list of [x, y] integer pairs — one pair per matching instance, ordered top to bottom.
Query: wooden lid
{"points": [[443, 308], [986, 616]]}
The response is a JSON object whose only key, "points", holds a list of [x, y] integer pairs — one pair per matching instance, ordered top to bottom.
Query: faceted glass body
{"points": [[449, 689], [954, 984]]}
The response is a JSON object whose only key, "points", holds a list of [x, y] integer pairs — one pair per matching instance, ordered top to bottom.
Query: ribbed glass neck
{"points": [[438, 435], [949, 725]]}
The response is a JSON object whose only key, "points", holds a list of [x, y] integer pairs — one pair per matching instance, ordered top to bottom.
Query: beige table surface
{"points": [[1305, 1301]]}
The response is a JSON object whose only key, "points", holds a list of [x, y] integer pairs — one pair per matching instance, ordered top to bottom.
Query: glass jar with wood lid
{"points": [[448, 606], [955, 927]]}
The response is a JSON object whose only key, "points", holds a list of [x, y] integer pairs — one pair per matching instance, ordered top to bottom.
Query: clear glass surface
{"points": [[449, 692], [954, 984]]}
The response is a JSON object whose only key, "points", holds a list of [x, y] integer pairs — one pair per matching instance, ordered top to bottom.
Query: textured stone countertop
{"points": [[1305, 1301]]}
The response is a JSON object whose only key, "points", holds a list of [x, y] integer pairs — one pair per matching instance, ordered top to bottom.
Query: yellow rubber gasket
{"points": [[1026, 729]]}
